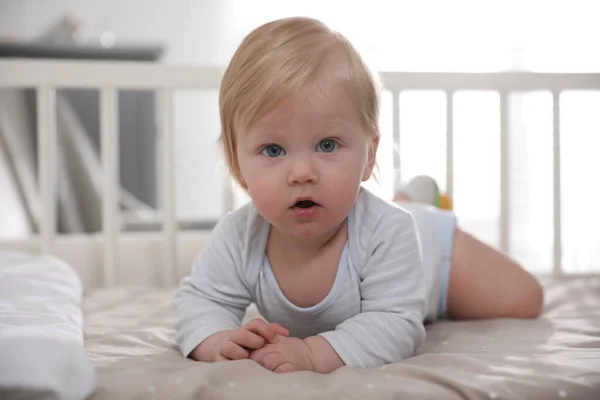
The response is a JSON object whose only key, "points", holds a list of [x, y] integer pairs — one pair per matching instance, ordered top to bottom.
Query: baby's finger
{"points": [[254, 324], [260, 327], [279, 329], [245, 338], [233, 351], [256, 355], [272, 360], [285, 368]]}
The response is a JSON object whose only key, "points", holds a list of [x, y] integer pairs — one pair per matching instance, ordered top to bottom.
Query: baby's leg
{"points": [[483, 282], [486, 284]]}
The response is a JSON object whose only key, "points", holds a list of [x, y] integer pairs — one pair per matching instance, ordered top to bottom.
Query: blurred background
{"points": [[400, 35]]}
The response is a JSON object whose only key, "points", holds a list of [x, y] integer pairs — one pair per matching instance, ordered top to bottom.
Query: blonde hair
{"points": [[278, 59]]}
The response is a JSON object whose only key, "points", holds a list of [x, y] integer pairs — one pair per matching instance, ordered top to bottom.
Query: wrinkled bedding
{"points": [[129, 339]]}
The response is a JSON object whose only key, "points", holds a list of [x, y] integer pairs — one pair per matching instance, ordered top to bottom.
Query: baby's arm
{"points": [[211, 302], [390, 325]]}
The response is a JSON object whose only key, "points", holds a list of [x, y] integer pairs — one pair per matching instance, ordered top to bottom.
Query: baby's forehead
{"points": [[317, 104]]}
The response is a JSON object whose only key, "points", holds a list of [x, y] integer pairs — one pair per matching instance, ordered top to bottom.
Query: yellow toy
{"points": [[444, 202]]}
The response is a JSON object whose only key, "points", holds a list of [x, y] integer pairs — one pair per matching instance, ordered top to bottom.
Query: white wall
{"points": [[194, 32]]}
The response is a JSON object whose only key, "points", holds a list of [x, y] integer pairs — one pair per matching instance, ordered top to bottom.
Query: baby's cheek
{"points": [[344, 187], [268, 201]]}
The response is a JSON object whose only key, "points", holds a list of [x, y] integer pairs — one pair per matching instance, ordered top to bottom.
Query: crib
{"points": [[129, 276]]}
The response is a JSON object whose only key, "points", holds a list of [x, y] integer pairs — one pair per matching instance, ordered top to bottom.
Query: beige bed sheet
{"points": [[130, 340]]}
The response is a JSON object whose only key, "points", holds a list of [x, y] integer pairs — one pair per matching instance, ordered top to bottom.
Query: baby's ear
{"points": [[373, 151], [372, 157]]}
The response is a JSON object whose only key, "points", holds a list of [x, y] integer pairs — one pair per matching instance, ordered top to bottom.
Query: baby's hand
{"points": [[250, 336], [288, 355]]}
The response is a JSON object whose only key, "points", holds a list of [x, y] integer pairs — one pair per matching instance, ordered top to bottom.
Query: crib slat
{"points": [[396, 140], [450, 143], [47, 147], [110, 162], [504, 176], [169, 208], [557, 246]]}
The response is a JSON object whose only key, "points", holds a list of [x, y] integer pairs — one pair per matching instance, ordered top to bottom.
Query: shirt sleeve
{"points": [[214, 297], [389, 327]]}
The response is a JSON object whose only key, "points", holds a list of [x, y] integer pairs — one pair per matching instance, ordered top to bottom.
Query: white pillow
{"points": [[41, 330]]}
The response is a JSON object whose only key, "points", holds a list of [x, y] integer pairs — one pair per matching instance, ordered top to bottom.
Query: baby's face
{"points": [[303, 163]]}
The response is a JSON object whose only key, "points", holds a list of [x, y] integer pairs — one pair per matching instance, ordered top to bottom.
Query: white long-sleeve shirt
{"points": [[373, 314]]}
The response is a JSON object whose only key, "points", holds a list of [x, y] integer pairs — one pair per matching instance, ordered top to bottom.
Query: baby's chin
{"points": [[307, 230]]}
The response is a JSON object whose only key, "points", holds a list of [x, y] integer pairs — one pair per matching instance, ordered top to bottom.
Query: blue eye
{"points": [[327, 146], [273, 151]]}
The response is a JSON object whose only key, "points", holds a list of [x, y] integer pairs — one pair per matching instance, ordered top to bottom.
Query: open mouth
{"points": [[305, 204], [305, 208]]}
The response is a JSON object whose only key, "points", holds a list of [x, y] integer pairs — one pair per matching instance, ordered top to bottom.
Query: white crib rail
{"points": [[108, 78], [503, 83], [109, 117], [46, 130], [556, 216], [170, 222]]}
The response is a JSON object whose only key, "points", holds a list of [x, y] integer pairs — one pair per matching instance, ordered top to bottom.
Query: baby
{"points": [[343, 276]]}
